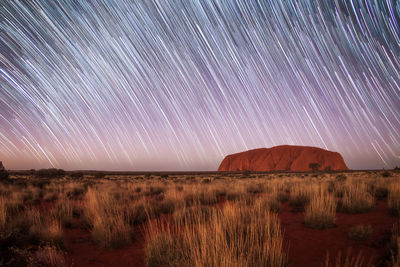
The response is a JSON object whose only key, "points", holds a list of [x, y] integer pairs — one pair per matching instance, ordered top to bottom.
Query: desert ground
{"points": [[200, 219]]}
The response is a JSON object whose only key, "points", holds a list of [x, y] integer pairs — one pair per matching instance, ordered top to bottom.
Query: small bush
{"points": [[314, 166], [360, 232]]}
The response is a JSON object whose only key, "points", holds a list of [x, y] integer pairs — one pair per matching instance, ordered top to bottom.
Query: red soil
{"points": [[308, 247], [83, 252]]}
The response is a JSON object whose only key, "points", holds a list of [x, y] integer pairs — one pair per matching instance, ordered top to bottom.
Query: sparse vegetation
{"points": [[225, 221]]}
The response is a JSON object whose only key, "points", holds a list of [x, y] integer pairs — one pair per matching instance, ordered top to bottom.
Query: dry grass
{"points": [[300, 195], [357, 199], [394, 199], [321, 211], [106, 217], [202, 220], [230, 236], [350, 259]]}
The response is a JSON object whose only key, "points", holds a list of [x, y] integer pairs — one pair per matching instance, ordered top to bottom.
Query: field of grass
{"points": [[204, 219]]}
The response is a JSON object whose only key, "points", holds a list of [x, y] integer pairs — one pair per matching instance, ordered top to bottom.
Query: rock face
{"points": [[283, 158]]}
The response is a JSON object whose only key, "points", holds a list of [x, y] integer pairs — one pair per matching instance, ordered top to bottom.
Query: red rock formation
{"points": [[283, 158]]}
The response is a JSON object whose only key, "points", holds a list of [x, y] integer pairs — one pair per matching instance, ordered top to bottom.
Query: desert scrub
{"points": [[356, 199], [321, 211], [107, 219], [360, 232], [231, 236]]}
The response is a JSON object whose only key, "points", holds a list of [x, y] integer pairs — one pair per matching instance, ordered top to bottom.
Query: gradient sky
{"points": [[179, 84]]}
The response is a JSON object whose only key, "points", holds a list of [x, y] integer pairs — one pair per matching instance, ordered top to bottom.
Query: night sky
{"points": [[179, 84]]}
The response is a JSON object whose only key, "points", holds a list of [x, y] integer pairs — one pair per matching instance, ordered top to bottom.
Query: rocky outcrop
{"points": [[283, 158]]}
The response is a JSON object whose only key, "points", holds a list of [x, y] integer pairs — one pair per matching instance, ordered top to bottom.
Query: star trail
{"points": [[177, 85]]}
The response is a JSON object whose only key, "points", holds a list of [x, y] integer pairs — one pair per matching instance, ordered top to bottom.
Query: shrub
{"points": [[314, 166], [360, 232]]}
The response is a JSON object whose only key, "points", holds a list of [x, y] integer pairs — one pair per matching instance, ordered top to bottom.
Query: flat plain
{"points": [[201, 219]]}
